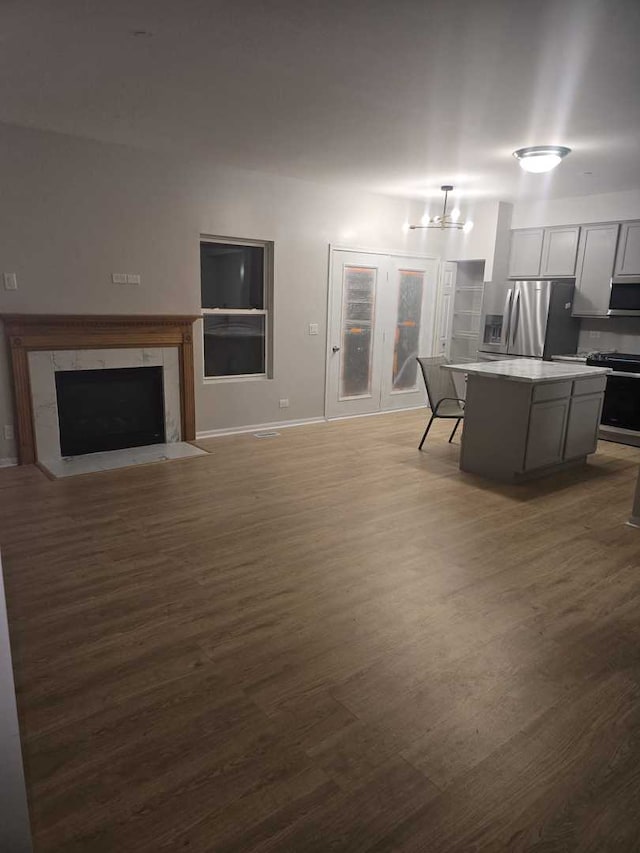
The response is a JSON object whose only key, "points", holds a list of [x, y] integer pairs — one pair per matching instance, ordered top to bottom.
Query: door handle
{"points": [[516, 311], [507, 316], [335, 349]]}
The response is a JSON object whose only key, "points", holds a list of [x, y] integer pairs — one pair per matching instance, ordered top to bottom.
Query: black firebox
{"points": [[109, 409]]}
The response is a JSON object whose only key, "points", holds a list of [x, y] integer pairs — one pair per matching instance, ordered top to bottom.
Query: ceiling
{"points": [[395, 96]]}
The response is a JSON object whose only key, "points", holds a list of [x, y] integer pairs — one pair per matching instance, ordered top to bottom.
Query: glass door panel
{"points": [[358, 319], [407, 332]]}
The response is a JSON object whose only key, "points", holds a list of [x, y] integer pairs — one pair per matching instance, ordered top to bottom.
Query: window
{"points": [[236, 283]]}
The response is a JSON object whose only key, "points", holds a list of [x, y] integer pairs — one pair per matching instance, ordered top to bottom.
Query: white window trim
{"points": [[268, 247]]}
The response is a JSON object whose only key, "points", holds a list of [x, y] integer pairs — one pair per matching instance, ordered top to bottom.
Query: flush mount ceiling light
{"points": [[540, 158], [445, 220]]}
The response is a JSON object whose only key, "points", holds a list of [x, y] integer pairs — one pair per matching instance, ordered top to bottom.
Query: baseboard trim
{"points": [[374, 414], [218, 433], [8, 461]]}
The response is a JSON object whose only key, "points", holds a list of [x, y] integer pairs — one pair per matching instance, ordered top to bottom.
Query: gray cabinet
{"points": [[559, 249], [544, 252], [526, 253], [596, 256], [628, 256], [547, 428], [514, 431], [582, 438]]}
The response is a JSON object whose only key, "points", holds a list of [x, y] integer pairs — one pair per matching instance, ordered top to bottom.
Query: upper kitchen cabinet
{"points": [[559, 250], [544, 252], [526, 253], [596, 256], [628, 256]]}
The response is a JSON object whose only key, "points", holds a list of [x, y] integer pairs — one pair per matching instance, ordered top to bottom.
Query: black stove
{"points": [[621, 362], [621, 409]]}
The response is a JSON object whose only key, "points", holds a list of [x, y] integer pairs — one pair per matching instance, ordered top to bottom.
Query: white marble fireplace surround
{"points": [[43, 365]]}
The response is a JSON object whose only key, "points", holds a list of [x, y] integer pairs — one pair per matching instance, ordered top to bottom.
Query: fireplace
{"points": [[43, 345], [109, 409]]}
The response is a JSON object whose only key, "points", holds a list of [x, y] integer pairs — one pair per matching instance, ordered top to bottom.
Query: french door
{"points": [[382, 315]]}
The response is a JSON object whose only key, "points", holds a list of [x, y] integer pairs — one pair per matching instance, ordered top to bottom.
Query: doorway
{"points": [[382, 315]]}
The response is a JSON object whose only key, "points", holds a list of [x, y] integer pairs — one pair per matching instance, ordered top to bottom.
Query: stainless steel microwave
{"points": [[624, 299]]}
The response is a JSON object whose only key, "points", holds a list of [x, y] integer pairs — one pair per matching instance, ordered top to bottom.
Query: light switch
{"points": [[119, 278], [133, 278], [10, 281], [313, 328]]}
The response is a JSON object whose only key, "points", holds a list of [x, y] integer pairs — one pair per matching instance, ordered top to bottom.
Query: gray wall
{"points": [[74, 211]]}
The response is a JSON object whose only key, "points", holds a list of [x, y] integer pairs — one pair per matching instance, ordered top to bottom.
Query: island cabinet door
{"points": [[547, 428], [582, 428]]}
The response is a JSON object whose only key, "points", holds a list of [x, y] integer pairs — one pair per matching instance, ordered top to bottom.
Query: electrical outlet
{"points": [[119, 277], [133, 278], [10, 281], [314, 328], [593, 335], [284, 403], [8, 432]]}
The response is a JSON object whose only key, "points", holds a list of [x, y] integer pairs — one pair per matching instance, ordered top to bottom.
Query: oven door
{"points": [[622, 401]]}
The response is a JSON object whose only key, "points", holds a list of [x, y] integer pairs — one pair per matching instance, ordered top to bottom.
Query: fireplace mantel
{"points": [[26, 332]]}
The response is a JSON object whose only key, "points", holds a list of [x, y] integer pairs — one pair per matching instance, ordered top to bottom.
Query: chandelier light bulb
{"points": [[444, 220]]}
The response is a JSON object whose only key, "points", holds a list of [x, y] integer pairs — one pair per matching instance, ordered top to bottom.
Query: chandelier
{"points": [[445, 220]]}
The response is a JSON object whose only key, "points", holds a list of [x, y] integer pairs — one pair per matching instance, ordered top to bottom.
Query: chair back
{"points": [[438, 382]]}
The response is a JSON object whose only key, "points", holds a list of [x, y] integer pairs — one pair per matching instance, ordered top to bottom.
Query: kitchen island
{"points": [[526, 418]]}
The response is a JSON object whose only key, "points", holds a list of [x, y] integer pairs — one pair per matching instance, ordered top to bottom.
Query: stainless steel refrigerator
{"points": [[536, 322]]}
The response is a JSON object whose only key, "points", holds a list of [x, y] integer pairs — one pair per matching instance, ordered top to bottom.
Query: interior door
{"points": [[358, 285], [382, 316], [409, 330]]}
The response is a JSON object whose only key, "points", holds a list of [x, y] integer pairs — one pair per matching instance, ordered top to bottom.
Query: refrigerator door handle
{"points": [[516, 311], [507, 317]]}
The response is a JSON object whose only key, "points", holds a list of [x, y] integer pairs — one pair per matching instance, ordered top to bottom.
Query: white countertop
{"points": [[527, 370]]}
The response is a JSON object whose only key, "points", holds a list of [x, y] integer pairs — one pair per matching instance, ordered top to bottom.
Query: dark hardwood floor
{"points": [[327, 641]]}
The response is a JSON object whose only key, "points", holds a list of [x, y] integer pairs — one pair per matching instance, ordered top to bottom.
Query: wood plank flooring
{"points": [[327, 641]]}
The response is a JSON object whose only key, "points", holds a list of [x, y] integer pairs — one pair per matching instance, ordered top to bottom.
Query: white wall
{"points": [[606, 207], [74, 211], [480, 243]]}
